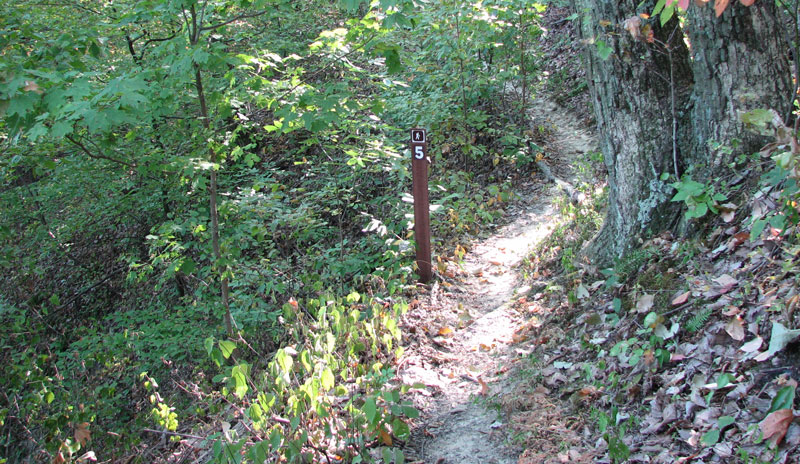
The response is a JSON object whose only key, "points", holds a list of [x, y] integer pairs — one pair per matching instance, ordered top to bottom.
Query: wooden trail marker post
{"points": [[422, 222]]}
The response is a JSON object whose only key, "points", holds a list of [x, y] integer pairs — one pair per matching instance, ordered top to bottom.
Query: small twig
{"points": [[88, 153], [175, 434]]}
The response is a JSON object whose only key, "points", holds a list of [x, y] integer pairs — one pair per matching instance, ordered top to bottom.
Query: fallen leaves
{"points": [[681, 299], [644, 303], [735, 328], [484, 387], [775, 425]]}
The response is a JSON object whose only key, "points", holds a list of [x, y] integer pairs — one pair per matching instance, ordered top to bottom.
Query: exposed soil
{"points": [[461, 332]]}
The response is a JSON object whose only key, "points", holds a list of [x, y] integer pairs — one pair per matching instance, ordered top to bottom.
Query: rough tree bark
{"points": [[740, 63], [632, 96], [659, 105]]}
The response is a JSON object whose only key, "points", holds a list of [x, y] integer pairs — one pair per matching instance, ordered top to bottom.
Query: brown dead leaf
{"points": [[747, 2], [720, 6], [605, 22], [633, 25], [649, 35], [31, 86], [727, 211], [727, 216], [737, 240], [495, 263], [725, 283], [681, 299], [292, 302], [644, 303], [731, 311], [735, 328], [444, 331], [519, 337], [753, 345], [485, 347], [649, 358], [485, 388], [588, 392], [775, 425], [82, 434], [385, 438], [59, 458]]}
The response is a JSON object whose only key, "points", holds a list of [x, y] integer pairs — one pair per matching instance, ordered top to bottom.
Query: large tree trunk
{"points": [[739, 64], [633, 96], [658, 109]]}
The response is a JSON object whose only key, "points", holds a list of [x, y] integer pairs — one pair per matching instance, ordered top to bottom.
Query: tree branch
{"points": [[235, 18], [95, 156]]}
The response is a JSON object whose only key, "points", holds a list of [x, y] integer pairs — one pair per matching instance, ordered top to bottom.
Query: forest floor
{"points": [[462, 330]]}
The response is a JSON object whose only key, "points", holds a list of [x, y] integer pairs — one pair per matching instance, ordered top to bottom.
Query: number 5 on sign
{"points": [[422, 223]]}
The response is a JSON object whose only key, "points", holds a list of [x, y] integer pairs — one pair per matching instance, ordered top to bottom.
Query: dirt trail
{"points": [[461, 333]]}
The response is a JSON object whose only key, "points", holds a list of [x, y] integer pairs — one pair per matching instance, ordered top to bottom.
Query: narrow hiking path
{"points": [[461, 333]]}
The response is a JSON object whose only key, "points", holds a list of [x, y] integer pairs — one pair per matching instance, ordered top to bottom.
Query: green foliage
{"points": [[121, 122], [699, 198], [699, 320], [343, 346], [784, 399], [711, 437]]}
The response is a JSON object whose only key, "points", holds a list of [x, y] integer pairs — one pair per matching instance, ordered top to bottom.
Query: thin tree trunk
{"points": [[198, 82]]}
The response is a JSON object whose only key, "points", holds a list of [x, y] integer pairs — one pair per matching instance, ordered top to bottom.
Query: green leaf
{"points": [[352, 5], [667, 14], [603, 50], [200, 56], [393, 63], [22, 104], [758, 118], [60, 129], [698, 212], [758, 227], [187, 266], [780, 337], [209, 344], [227, 347], [239, 376], [327, 379], [724, 380], [784, 399], [370, 409], [255, 412], [410, 412], [725, 421], [710, 438], [275, 439], [618, 450]]}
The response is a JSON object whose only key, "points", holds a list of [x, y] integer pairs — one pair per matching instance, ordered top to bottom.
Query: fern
{"points": [[699, 320]]}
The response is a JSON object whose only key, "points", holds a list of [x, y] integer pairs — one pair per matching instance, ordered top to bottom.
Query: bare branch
{"points": [[234, 19], [88, 153]]}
